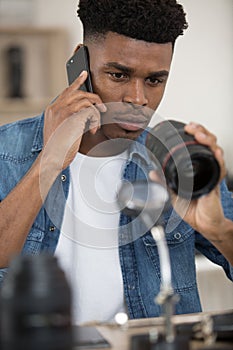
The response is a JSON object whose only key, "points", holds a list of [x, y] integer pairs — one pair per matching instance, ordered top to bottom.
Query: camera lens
{"points": [[190, 168], [35, 306]]}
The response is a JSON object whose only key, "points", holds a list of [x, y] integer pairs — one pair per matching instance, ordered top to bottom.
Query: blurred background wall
{"points": [[60, 13]]}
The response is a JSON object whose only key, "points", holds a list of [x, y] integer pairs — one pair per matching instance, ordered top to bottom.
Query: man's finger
{"points": [[79, 81]]}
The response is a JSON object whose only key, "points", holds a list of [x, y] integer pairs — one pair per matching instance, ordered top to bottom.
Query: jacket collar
{"points": [[37, 144], [138, 149]]}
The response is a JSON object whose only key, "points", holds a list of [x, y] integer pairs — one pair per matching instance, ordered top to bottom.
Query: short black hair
{"points": [[159, 21]]}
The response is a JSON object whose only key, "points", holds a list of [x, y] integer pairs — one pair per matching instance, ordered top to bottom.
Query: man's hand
{"points": [[66, 119], [205, 214]]}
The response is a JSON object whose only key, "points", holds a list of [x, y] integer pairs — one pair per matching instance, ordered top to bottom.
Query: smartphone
{"points": [[76, 64]]}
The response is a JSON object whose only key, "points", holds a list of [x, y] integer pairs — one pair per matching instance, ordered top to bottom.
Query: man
{"points": [[59, 172]]}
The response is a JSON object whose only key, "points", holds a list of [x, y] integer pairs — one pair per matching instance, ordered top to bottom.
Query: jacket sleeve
{"points": [[206, 247]]}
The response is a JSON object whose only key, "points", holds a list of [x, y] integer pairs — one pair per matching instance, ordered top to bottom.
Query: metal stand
{"points": [[149, 199], [167, 299]]}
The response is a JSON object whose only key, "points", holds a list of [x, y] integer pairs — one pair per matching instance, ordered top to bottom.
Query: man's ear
{"points": [[77, 47]]}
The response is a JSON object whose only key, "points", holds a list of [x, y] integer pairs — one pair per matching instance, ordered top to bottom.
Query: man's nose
{"points": [[136, 93]]}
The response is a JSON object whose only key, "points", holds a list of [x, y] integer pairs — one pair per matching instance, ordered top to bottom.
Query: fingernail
{"points": [[82, 73], [102, 107], [193, 125], [94, 130], [202, 135]]}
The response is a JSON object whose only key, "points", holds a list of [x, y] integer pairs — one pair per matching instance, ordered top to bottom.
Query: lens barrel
{"points": [[190, 169], [35, 306]]}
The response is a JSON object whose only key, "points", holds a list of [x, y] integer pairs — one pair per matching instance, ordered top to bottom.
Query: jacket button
{"points": [[63, 178], [52, 228], [177, 235], [131, 287]]}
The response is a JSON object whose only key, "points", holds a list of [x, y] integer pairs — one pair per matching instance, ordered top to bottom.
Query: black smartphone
{"points": [[76, 64]]}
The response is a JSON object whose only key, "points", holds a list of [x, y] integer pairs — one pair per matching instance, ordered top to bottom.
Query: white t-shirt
{"points": [[88, 245]]}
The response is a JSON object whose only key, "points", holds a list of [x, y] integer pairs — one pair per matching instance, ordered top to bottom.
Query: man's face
{"points": [[130, 77]]}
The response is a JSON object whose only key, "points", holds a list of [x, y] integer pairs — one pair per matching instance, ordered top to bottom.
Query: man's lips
{"points": [[131, 123]]}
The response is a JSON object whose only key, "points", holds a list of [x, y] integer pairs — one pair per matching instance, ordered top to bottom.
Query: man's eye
{"points": [[117, 75], [154, 81]]}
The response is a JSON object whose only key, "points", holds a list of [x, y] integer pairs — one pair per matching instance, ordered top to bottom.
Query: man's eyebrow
{"points": [[119, 66], [128, 70], [161, 73]]}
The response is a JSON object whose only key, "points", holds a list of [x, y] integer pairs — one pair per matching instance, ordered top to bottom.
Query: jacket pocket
{"points": [[181, 246]]}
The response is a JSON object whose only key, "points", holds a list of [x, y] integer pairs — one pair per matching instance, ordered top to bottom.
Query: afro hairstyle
{"points": [[159, 21]]}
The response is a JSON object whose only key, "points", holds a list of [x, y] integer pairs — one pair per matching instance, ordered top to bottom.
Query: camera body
{"points": [[190, 169]]}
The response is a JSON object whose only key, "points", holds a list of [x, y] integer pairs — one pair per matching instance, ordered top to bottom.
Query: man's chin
{"points": [[114, 131]]}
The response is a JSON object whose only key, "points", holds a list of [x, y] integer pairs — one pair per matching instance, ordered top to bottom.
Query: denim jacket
{"points": [[20, 144]]}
